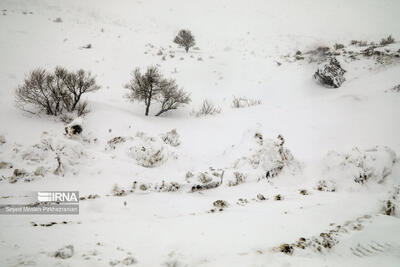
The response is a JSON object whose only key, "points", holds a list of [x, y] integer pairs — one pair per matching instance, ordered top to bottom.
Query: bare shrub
{"points": [[185, 39], [387, 40], [359, 43], [88, 46], [338, 46], [151, 86], [396, 88], [55, 93], [244, 102], [207, 108], [171, 138], [2, 139], [148, 154], [238, 178], [327, 186], [167, 187], [117, 191], [220, 204], [392, 204], [286, 248]]}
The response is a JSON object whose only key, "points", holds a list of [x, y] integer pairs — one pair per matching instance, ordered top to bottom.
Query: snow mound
{"points": [[171, 138], [147, 151], [52, 155], [264, 156], [361, 165], [65, 252]]}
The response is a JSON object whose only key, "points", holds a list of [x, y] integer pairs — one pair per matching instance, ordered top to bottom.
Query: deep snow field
{"points": [[335, 172]]}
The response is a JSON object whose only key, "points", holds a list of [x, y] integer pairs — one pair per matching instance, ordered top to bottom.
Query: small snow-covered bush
{"points": [[387, 40], [359, 43], [338, 46], [320, 52], [330, 74], [396, 88], [244, 102], [206, 108], [171, 138], [2, 139], [113, 142], [147, 151], [148, 154], [52, 155], [266, 155], [361, 165], [17, 175], [205, 177], [238, 178], [206, 180], [326, 186], [157, 187], [167, 187], [117, 191], [303, 192], [220, 204], [391, 205], [286, 248], [64, 252], [129, 261]]}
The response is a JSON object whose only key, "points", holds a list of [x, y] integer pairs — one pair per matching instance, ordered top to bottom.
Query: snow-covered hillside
{"points": [[297, 175]]}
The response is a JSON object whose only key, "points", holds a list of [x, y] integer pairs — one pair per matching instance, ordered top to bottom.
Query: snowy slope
{"points": [[240, 44]]}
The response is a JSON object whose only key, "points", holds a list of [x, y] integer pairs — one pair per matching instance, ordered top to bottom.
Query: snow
{"points": [[332, 137]]}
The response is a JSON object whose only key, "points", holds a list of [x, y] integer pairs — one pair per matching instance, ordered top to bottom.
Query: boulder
{"points": [[330, 74], [74, 128]]}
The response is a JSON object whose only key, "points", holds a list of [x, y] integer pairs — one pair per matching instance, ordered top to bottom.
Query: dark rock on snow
{"points": [[330, 74]]}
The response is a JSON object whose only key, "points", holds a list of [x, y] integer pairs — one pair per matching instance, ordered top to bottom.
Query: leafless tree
{"points": [[185, 39], [151, 86], [144, 87], [54, 93]]}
